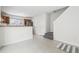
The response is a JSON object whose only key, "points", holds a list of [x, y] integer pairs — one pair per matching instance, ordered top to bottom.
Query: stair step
{"points": [[49, 35], [59, 45], [63, 47], [68, 48], [74, 50], [77, 50]]}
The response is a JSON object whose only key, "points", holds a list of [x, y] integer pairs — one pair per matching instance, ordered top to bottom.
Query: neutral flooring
{"points": [[37, 45]]}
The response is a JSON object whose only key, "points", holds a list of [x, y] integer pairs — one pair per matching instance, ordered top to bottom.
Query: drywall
{"points": [[0, 13], [54, 15], [48, 17], [44, 23], [40, 24], [66, 27], [1, 31], [11, 35], [2, 36]]}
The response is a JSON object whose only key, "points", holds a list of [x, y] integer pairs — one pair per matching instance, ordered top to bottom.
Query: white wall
{"points": [[0, 12], [54, 16], [48, 22], [44, 23], [40, 24], [66, 27], [1, 30], [10, 35], [2, 36]]}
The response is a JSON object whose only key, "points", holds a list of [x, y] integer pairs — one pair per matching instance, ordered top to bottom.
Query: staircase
{"points": [[49, 35], [68, 48]]}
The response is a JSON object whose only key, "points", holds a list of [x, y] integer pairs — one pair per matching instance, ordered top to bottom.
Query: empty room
{"points": [[39, 29]]}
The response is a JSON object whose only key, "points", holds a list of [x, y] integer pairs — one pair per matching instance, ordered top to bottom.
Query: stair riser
{"points": [[68, 48]]}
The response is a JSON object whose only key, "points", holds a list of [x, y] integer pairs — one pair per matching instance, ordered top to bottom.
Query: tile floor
{"points": [[36, 45]]}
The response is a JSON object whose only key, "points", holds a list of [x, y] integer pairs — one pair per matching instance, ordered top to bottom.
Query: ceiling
{"points": [[30, 11]]}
